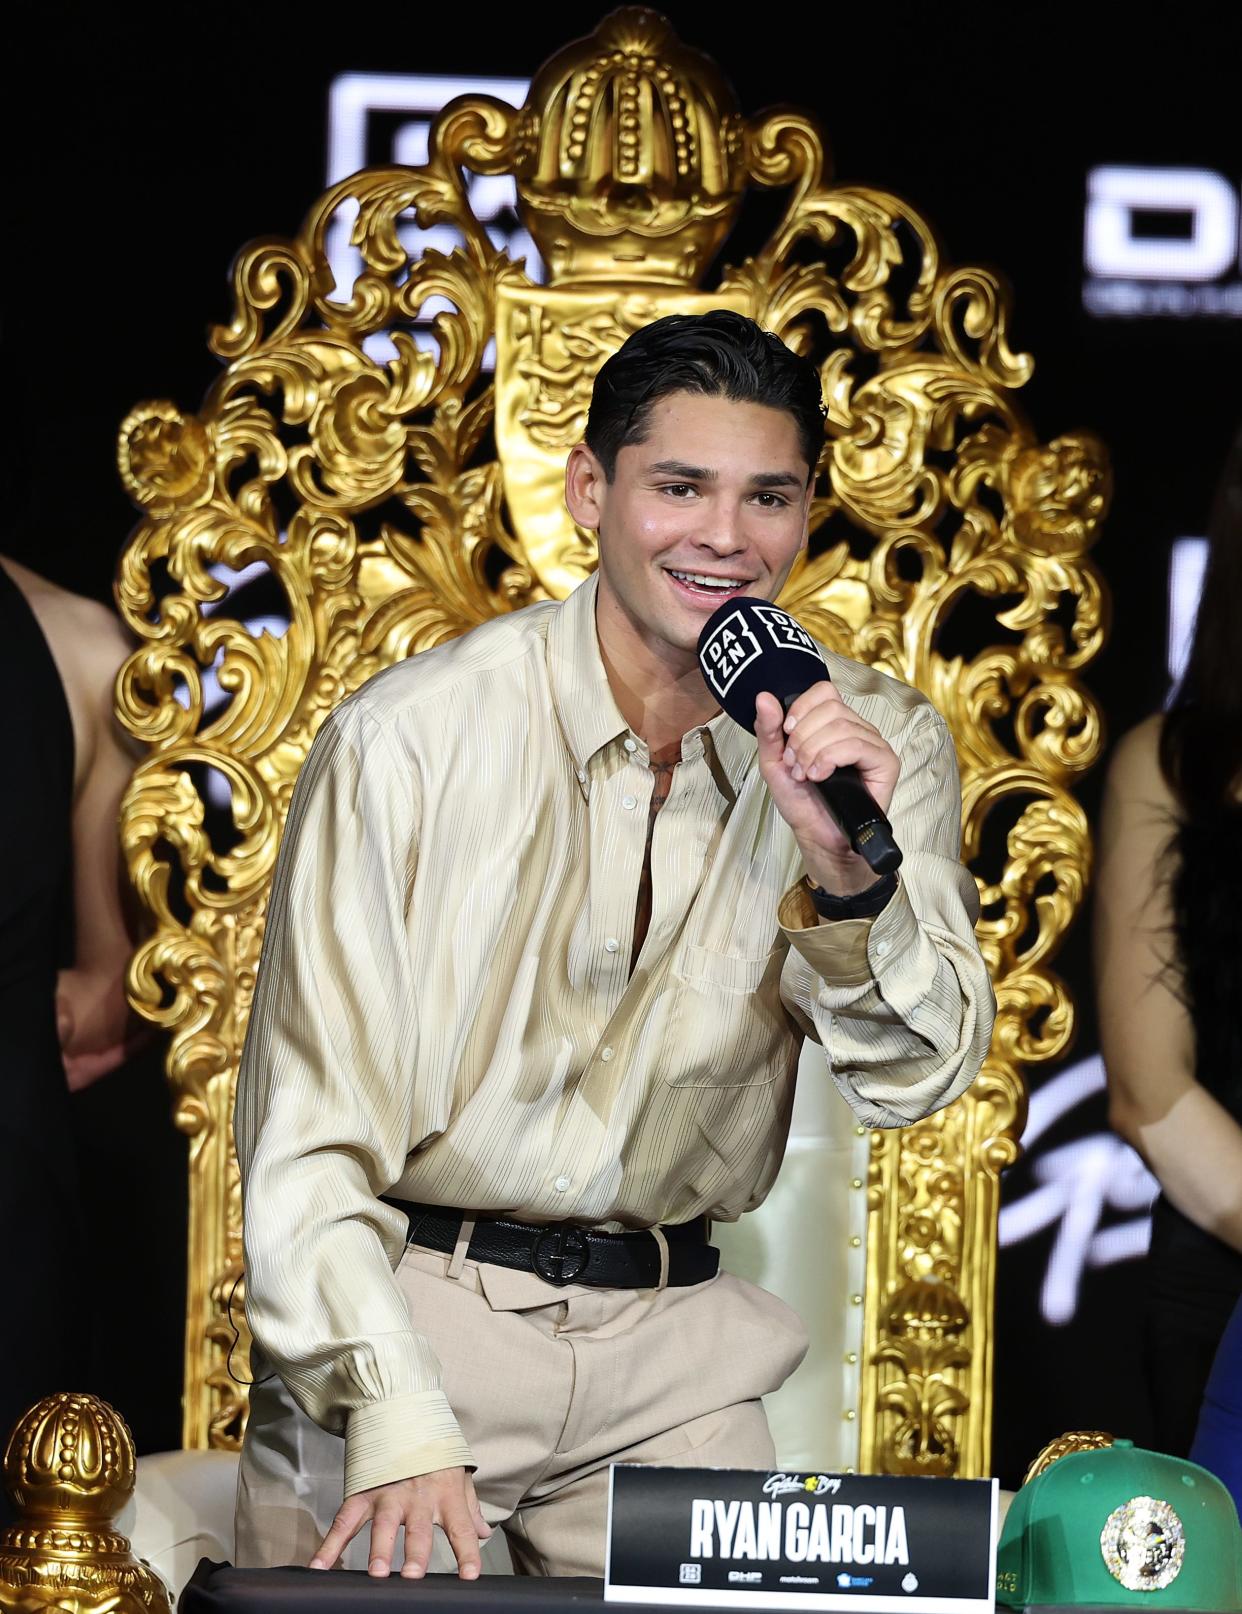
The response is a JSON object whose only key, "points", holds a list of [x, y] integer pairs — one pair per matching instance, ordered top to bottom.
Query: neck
{"points": [[659, 689]]}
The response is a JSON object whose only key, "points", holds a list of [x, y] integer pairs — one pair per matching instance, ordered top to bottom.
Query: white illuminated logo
{"points": [[379, 118], [1157, 242], [1202, 247], [1187, 564], [1079, 1187]]}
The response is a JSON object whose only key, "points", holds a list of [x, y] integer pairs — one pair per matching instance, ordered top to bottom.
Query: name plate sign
{"points": [[718, 1537]]}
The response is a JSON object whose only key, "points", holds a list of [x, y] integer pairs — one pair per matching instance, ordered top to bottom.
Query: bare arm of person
{"points": [[88, 645], [104, 1030], [1190, 1141], [445, 1497]]}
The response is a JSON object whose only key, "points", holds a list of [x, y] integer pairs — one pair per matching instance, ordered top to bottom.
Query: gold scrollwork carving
{"points": [[389, 491]]}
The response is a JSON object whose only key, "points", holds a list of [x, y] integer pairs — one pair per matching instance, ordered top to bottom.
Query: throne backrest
{"points": [[389, 494]]}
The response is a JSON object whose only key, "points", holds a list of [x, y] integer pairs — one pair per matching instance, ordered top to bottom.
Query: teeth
{"points": [[704, 581]]}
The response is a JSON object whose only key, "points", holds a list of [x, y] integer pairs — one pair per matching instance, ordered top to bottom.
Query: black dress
{"points": [[1192, 1281], [45, 1311]]}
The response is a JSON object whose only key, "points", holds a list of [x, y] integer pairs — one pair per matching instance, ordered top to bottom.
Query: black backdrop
{"points": [[142, 153]]}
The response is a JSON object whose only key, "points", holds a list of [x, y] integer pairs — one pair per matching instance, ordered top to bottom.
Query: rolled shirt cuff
{"points": [[848, 952], [402, 1438]]}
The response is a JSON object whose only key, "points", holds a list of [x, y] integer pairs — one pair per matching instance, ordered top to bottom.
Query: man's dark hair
{"points": [[720, 355]]}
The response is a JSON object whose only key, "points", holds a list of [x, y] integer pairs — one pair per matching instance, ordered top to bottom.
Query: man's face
{"points": [[713, 503]]}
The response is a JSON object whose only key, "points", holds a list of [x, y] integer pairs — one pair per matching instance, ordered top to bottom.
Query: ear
{"points": [[586, 487]]}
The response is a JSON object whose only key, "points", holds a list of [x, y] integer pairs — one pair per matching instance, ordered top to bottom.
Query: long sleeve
{"points": [[902, 1003], [326, 1112]]}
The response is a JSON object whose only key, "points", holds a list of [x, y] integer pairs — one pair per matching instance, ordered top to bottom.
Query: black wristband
{"points": [[863, 905]]}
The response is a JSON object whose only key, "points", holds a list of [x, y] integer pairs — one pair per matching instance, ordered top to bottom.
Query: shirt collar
{"points": [[583, 697], [585, 707]]}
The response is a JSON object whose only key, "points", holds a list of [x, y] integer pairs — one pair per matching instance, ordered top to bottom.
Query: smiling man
{"points": [[545, 939]]}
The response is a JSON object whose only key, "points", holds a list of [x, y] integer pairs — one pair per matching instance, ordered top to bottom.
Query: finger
{"points": [[822, 694], [827, 715], [825, 729], [842, 743], [806, 747], [869, 757], [83, 1069], [348, 1521], [458, 1526], [481, 1526], [418, 1535], [383, 1539]]}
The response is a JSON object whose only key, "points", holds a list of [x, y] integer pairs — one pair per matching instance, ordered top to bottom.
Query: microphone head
{"points": [[749, 646]]}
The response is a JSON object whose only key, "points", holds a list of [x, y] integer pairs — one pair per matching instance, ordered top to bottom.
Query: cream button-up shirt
{"points": [[445, 1010]]}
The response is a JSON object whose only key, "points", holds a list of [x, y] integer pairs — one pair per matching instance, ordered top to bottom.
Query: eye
{"points": [[678, 490], [771, 501]]}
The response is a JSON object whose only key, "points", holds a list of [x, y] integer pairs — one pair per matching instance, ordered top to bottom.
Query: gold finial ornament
{"points": [[630, 157], [393, 495], [1065, 1446], [68, 1471]]}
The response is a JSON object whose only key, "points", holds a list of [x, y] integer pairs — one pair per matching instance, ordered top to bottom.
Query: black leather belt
{"points": [[562, 1252]]}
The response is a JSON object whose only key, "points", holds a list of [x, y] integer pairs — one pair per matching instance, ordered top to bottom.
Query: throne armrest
{"points": [[181, 1511]]}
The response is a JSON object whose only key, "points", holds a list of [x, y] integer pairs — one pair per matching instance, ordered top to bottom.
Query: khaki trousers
{"points": [[550, 1386]]}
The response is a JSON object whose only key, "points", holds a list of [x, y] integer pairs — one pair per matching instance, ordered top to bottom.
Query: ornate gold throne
{"points": [[398, 494]]}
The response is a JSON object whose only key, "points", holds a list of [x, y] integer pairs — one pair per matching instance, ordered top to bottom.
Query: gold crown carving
{"points": [[630, 155], [1066, 1446], [70, 1456], [68, 1471]]}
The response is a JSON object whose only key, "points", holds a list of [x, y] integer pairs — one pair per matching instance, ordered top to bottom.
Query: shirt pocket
{"points": [[726, 972], [728, 1027]]}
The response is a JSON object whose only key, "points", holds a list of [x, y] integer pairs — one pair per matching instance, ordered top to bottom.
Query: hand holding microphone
{"points": [[814, 751]]}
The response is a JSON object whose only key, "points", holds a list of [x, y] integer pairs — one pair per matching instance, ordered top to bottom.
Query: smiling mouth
{"points": [[707, 586]]}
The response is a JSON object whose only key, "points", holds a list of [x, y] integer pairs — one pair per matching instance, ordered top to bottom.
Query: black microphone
{"points": [[749, 646]]}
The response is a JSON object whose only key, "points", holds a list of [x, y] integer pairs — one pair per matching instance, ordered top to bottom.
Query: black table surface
{"points": [[221, 1589]]}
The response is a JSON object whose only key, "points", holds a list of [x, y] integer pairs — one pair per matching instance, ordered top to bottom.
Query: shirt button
{"points": [[631, 746], [582, 776], [629, 803], [611, 945], [881, 948], [606, 1053], [561, 1184]]}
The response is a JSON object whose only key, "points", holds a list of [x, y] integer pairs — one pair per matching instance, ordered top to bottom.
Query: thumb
{"points": [[769, 728]]}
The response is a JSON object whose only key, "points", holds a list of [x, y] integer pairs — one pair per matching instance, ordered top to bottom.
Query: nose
{"points": [[722, 530]]}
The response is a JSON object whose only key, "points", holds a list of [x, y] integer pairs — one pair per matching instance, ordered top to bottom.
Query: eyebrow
{"points": [[689, 473], [701, 473]]}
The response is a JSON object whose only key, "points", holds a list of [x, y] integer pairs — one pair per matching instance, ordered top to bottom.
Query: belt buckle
{"points": [[560, 1254]]}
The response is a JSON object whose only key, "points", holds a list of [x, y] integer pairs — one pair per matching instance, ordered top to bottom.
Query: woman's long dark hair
{"points": [[1201, 737], [1201, 759]]}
